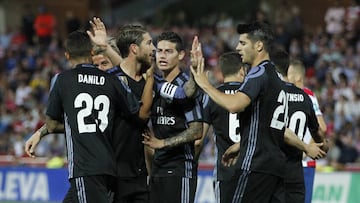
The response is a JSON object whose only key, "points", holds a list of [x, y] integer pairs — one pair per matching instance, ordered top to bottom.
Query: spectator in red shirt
{"points": [[44, 25]]}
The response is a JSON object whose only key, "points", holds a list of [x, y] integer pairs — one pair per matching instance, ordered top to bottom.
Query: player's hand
{"points": [[98, 34], [195, 52], [150, 71], [200, 76], [151, 141], [31, 144], [326, 145], [313, 150], [231, 155]]}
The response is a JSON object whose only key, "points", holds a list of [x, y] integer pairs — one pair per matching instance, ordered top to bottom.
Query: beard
{"points": [[145, 63]]}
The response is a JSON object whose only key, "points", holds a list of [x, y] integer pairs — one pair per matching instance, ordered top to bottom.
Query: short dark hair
{"points": [[258, 31], [127, 35], [172, 37], [78, 44], [281, 60], [230, 63], [298, 66]]}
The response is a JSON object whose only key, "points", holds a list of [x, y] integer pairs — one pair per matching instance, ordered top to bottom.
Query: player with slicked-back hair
{"points": [[262, 101]]}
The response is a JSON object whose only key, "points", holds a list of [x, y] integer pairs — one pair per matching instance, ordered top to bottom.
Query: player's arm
{"points": [[99, 38], [108, 51], [196, 55], [190, 87], [174, 93], [147, 96], [222, 99], [53, 108], [318, 113], [322, 124], [54, 126], [193, 132], [317, 132], [318, 135], [33, 141], [199, 143], [312, 150], [149, 152], [231, 155]]}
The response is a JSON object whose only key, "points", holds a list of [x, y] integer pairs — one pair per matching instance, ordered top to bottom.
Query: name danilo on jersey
{"points": [[91, 79]]}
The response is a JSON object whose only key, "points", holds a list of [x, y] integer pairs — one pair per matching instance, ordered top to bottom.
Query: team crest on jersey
{"points": [[124, 79]]}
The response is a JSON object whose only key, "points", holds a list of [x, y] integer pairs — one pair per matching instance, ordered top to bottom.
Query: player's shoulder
{"points": [[116, 70], [256, 71], [184, 75], [181, 78], [229, 86], [292, 87], [308, 91]]}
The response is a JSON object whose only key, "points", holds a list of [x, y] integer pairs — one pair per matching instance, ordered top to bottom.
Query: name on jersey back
{"points": [[91, 79], [295, 97]]}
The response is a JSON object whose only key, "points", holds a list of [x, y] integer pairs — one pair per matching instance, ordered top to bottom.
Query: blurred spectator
{"points": [[352, 16], [334, 18], [72, 22], [28, 24], [295, 24], [44, 26], [281, 37], [5, 38], [294, 48], [343, 88], [22, 93], [342, 112], [18, 145], [348, 153], [333, 154]]}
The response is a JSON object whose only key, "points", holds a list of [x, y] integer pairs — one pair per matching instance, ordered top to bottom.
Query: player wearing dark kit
{"points": [[136, 47], [137, 51], [87, 100], [263, 106], [301, 115], [225, 124], [262, 130], [129, 150], [174, 168]]}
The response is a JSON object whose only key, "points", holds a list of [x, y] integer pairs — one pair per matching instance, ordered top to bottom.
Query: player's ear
{"points": [[259, 45], [133, 48], [181, 55], [67, 56], [298, 78]]}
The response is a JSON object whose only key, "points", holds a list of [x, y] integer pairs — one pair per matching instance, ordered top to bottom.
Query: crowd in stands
{"points": [[331, 54]]}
